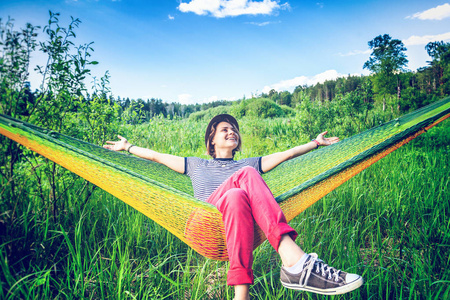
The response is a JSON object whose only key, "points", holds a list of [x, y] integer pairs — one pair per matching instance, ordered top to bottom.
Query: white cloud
{"points": [[231, 8], [436, 13], [171, 17], [260, 24], [423, 40], [355, 52], [290, 84], [216, 98], [186, 99], [190, 99], [212, 99]]}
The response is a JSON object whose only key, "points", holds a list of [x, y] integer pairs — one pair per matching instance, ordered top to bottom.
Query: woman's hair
{"points": [[210, 147]]}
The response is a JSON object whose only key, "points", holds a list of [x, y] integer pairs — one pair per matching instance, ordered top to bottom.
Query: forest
{"points": [[62, 237]]}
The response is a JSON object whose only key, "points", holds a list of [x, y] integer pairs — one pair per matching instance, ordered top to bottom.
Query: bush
{"points": [[259, 107], [264, 108], [288, 111], [209, 113]]}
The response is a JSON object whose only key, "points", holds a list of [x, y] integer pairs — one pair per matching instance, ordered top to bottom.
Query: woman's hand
{"points": [[323, 141], [120, 145], [270, 161], [174, 162]]}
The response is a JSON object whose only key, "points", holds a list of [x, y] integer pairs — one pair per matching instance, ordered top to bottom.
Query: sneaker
{"points": [[320, 278]]}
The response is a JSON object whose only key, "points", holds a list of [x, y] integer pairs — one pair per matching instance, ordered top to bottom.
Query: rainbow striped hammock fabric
{"points": [[167, 197]]}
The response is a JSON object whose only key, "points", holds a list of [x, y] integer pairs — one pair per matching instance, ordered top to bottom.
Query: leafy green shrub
{"points": [[261, 108], [238, 109], [288, 111], [210, 113]]}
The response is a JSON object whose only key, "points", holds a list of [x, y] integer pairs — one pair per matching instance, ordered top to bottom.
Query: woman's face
{"points": [[225, 137]]}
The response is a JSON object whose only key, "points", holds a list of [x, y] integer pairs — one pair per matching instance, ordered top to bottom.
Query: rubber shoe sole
{"points": [[350, 286]]}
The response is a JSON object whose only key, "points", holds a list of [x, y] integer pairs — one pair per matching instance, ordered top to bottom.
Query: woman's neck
{"points": [[225, 153]]}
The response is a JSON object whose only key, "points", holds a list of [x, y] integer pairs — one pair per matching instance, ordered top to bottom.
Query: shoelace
{"points": [[320, 267]]}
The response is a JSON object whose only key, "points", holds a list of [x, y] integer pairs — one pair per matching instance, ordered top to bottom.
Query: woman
{"points": [[238, 191]]}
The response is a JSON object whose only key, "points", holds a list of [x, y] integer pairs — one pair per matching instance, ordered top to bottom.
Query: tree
{"points": [[436, 50], [15, 52], [440, 54], [387, 61], [285, 98]]}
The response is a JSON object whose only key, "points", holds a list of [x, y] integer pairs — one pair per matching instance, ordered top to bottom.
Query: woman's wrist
{"points": [[316, 142], [129, 147]]}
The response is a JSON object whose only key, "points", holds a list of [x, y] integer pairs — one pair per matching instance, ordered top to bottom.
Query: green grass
{"points": [[390, 224]]}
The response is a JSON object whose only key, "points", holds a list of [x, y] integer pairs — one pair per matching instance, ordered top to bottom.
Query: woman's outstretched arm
{"points": [[270, 161], [174, 162]]}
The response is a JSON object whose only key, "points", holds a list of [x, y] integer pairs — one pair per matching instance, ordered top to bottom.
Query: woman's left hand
{"points": [[323, 141]]}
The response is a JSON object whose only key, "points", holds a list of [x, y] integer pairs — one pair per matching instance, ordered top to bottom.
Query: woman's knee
{"points": [[249, 171], [233, 201]]}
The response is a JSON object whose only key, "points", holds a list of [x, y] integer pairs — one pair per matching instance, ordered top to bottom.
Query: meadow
{"points": [[389, 224]]}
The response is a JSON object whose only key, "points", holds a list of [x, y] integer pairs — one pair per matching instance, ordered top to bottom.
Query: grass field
{"points": [[390, 224]]}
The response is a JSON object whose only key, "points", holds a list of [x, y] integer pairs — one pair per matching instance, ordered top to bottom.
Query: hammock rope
{"points": [[166, 196]]}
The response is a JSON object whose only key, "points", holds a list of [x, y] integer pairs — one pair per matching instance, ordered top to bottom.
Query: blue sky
{"points": [[195, 51]]}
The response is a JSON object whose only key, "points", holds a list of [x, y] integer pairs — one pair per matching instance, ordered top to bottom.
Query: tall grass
{"points": [[390, 224]]}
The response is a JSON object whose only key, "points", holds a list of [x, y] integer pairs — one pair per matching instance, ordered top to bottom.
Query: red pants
{"points": [[243, 199]]}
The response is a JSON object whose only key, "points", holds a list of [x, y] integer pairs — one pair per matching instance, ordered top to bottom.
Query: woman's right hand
{"points": [[120, 145]]}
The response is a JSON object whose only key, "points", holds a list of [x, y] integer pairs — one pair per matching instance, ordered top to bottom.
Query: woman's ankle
{"points": [[290, 253], [242, 292]]}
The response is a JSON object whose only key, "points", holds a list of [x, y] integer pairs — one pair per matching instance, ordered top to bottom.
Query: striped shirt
{"points": [[208, 174]]}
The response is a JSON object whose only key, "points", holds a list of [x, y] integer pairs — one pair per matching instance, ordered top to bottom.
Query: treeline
{"points": [[406, 89]]}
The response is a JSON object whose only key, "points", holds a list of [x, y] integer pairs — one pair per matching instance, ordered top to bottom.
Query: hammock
{"points": [[166, 196]]}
